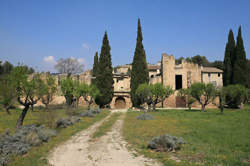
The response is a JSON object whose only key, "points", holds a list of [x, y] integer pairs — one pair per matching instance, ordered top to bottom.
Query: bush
{"points": [[96, 111], [87, 114], [145, 117], [67, 121], [22, 140], [166, 143]]}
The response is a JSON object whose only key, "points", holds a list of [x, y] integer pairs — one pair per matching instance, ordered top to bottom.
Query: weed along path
{"points": [[107, 150]]}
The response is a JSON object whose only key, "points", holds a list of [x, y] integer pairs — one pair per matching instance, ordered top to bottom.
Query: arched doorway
{"points": [[120, 102]]}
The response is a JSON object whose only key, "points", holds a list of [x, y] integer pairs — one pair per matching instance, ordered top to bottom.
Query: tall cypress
{"points": [[228, 59], [240, 62], [95, 68], [139, 72], [104, 77]]}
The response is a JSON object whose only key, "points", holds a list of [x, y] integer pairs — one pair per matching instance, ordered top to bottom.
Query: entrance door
{"points": [[120, 103]]}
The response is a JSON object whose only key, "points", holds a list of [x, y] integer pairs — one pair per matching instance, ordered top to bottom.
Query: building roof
{"points": [[153, 67], [211, 70]]}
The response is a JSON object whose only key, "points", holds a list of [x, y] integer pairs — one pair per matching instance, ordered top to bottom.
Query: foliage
{"points": [[229, 59], [200, 60], [240, 62], [69, 66], [95, 68], [139, 72], [104, 78], [49, 89], [68, 89], [28, 90], [8, 92], [144, 92], [89, 93], [160, 93], [203, 93], [153, 94], [185, 94], [234, 96], [87, 113], [90, 113], [145, 117], [67, 121], [23, 139], [211, 139], [166, 143], [37, 155]]}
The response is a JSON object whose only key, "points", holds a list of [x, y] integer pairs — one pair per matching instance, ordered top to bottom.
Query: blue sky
{"points": [[39, 32]]}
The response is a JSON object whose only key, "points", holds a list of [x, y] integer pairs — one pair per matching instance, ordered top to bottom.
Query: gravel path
{"points": [[108, 150]]}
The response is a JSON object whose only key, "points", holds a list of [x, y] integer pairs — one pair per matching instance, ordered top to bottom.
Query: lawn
{"points": [[212, 138], [37, 155]]}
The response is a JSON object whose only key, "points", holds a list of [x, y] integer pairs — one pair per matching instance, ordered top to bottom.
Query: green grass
{"points": [[106, 126], [213, 139], [37, 155]]}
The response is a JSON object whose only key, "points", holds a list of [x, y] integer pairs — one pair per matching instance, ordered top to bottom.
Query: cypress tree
{"points": [[228, 59], [240, 62], [95, 68], [139, 72], [104, 77]]}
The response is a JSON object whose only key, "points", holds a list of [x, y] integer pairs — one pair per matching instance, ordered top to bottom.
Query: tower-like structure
{"points": [[168, 70]]}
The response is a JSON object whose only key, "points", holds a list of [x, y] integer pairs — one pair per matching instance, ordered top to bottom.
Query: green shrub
{"points": [[166, 143]]}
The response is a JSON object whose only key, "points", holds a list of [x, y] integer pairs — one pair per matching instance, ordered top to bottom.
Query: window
{"points": [[209, 74], [218, 74], [152, 76]]}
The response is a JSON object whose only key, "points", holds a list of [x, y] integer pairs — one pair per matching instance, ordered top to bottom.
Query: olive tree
{"points": [[67, 88], [49, 89], [28, 91], [7, 92], [90, 93], [144, 93], [160, 93], [203, 93], [153, 94], [185, 94], [232, 96]]}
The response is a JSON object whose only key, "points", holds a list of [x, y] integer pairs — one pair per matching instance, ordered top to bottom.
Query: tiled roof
{"points": [[153, 67], [211, 70]]}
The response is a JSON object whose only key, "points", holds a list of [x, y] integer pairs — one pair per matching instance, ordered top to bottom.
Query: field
{"points": [[212, 138], [37, 155]]}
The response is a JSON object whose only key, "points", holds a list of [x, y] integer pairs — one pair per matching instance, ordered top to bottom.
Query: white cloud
{"points": [[84, 45], [49, 59], [81, 60]]}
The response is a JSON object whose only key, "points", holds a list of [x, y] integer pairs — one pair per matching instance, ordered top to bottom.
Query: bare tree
{"points": [[69, 66]]}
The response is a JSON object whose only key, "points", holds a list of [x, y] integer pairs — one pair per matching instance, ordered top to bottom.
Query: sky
{"points": [[37, 33]]}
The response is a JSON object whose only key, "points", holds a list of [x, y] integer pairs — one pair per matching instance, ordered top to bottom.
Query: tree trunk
{"points": [[241, 106], [32, 107], [149, 107], [154, 107], [203, 107], [221, 109], [22, 116]]}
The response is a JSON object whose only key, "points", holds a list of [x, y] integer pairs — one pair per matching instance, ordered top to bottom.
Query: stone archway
{"points": [[120, 102]]}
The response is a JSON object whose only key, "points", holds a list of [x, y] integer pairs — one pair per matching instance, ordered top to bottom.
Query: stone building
{"points": [[166, 71], [176, 76]]}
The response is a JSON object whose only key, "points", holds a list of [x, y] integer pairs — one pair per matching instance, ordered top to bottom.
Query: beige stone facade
{"points": [[168, 73]]}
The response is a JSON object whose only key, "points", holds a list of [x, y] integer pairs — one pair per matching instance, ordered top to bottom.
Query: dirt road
{"points": [[108, 150]]}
